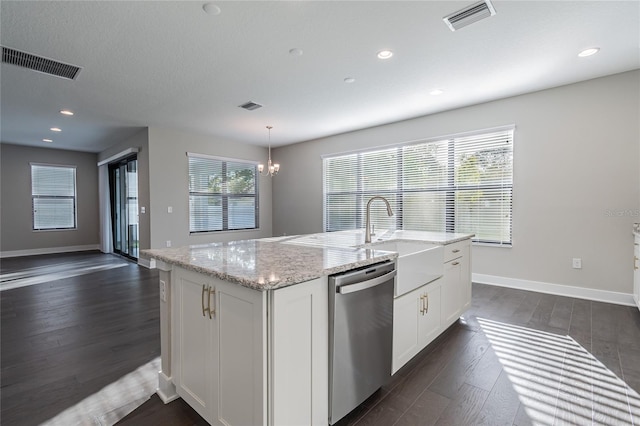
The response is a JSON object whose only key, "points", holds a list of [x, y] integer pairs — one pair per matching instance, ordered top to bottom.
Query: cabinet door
{"points": [[465, 279], [456, 286], [451, 295], [429, 314], [416, 322], [406, 333], [240, 350], [300, 354], [193, 358]]}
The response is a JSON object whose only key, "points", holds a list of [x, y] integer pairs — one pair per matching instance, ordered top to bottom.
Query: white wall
{"points": [[576, 162], [169, 186]]}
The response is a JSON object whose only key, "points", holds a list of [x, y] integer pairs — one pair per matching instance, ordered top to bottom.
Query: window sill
{"points": [[228, 231], [481, 244]]}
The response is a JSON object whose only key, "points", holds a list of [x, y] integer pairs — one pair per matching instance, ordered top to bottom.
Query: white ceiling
{"points": [[170, 64]]}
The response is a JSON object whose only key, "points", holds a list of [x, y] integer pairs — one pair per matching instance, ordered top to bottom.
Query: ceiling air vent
{"points": [[469, 15], [38, 63], [250, 106]]}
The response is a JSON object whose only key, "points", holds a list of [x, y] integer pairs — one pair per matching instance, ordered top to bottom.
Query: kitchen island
{"points": [[244, 324]]}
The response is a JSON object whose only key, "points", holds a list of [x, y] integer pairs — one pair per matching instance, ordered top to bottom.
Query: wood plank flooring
{"points": [[66, 338], [515, 358]]}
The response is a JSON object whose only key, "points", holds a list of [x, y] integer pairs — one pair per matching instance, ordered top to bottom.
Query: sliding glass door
{"points": [[123, 184]]}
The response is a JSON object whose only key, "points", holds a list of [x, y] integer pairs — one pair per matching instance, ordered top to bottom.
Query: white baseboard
{"points": [[48, 250], [147, 263], [556, 289], [166, 389]]}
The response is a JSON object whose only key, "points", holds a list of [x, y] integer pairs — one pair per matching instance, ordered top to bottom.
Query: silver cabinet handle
{"points": [[455, 250], [455, 263], [426, 299], [202, 301], [422, 305], [212, 311]]}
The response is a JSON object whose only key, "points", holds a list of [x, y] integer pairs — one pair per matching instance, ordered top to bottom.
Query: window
{"points": [[459, 184], [223, 194], [53, 197]]}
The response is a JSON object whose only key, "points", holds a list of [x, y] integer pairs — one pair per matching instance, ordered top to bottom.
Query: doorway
{"points": [[123, 186]]}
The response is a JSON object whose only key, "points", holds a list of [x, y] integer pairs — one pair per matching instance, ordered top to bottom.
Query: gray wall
{"points": [[141, 141], [576, 161], [169, 186], [16, 227]]}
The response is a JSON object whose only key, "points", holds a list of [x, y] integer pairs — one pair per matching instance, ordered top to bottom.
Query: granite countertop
{"points": [[271, 263]]}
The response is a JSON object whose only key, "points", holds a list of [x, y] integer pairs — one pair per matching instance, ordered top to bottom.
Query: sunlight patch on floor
{"points": [[44, 274], [558, 381], [114, 401]]}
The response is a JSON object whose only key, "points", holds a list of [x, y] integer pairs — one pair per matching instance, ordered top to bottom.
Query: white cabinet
{"points": [[636, 270], [456, 286], [421, 315], [416, 322], [219, 349], [299, 353], [221, 362], [193, 370]]}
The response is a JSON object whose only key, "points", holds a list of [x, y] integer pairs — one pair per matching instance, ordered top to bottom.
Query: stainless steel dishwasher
{"points": [[360, 335]]}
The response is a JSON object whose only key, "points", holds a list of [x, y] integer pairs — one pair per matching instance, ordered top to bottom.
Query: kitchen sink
{"points": [[417, 264]]}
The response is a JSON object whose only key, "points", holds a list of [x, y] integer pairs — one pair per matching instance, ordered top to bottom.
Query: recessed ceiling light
{"points": [[211, 9], [589, 52], [385, 54], [349, 80], [436, 92], [66, 112], [55, 129], [47, 140]]}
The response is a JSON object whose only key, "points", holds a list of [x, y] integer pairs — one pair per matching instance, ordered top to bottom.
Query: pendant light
{"points": [[272, 168]]}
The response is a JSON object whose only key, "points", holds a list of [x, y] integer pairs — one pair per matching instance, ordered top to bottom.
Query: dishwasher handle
{"points": [[363, 285]]}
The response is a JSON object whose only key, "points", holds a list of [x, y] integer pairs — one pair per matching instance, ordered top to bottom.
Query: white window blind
{"points": [[457, 184], [223, 194], [53, 197]]}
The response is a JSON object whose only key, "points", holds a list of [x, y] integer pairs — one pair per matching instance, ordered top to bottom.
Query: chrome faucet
{"points": [[367, 235]]}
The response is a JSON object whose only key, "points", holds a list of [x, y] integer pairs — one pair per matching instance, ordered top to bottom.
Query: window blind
{"points": [[454, 184], [223, 194], [53, 197]]}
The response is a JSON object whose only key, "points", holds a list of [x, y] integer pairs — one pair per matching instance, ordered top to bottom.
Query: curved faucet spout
{"points": [[367, 234]]}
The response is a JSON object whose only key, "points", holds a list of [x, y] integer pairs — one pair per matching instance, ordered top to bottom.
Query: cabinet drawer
{"points": [[455, 250]]}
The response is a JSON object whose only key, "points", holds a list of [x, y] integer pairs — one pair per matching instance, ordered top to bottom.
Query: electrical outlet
{"points": [[170, 209], [143, 210], [168, 243], [577, 263], [163, 291]]}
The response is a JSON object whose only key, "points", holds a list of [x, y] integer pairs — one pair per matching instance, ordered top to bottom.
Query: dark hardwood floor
{"points": [[65, 339], [515, 358]]}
